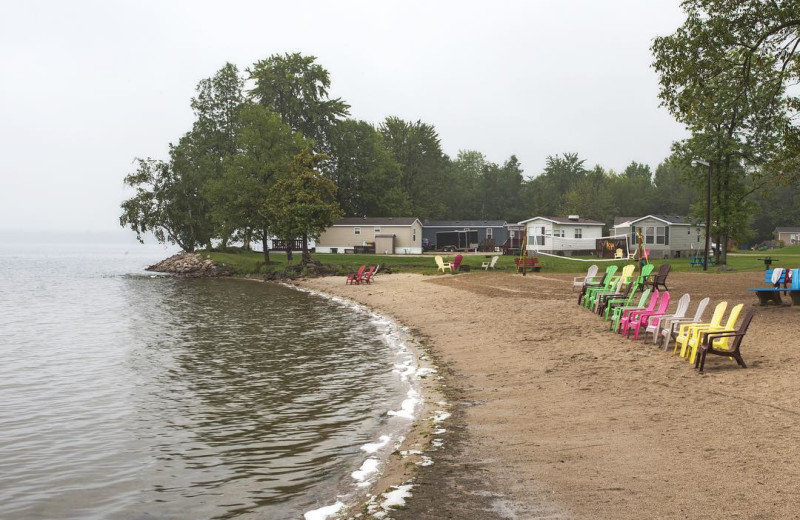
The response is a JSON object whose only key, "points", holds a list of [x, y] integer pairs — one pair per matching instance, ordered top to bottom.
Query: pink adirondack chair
{"points": [[456, 263], [355, 278], [627, 314], [641, 318]]}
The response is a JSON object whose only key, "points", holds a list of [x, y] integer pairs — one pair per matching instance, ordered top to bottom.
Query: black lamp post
{"points": [[695, 162]]}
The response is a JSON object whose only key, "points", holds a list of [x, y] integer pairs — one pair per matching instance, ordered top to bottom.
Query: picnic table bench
{"points": [[697, 260], [528, 263], [772, 293]]}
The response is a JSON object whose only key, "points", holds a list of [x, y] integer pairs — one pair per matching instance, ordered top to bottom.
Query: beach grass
{"points": [[252, 263]]}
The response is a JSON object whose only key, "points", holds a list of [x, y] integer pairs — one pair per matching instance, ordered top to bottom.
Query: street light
{"points": [[695, 162]]}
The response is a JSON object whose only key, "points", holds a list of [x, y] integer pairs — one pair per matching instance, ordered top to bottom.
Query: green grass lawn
{"points": [[248, 263]]}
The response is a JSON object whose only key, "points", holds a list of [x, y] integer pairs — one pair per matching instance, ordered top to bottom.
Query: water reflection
{"points": [[255, 392], [134, 397]]}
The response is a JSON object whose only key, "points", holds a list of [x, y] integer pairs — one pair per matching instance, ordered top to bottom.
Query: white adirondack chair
{"points": [[490, 265], [578, 281], [654, 323], [670, 327]]}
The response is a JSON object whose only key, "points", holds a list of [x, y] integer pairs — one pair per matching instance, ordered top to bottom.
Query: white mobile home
{"points": [[570, 235]]}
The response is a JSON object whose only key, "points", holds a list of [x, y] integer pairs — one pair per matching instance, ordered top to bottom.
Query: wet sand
{"points": [[555, 417]]}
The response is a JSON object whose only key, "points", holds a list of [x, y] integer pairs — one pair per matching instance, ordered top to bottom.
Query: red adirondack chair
{"points": [[456, 262], [355, 278], [367, 278]]}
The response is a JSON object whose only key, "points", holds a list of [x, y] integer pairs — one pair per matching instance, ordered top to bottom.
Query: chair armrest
{"points": [[706, 337]]}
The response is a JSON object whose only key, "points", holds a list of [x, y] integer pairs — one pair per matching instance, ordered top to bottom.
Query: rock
{"points": [[190, 265]]}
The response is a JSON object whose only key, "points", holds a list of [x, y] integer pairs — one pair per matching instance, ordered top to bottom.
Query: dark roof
{"points": [[623, 220], [375, 221], [464, 223], [787, 230]]}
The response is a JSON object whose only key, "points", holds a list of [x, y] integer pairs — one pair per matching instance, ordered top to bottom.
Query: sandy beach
{"points": [[555, 417]]}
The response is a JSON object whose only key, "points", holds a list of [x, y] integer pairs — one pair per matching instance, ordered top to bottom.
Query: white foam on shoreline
{"points": [[409, 373], [374, 447], [397, 497], [324, 512]]}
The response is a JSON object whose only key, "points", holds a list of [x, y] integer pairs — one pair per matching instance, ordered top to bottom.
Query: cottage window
{"points": [[357, 230], [488, 232], [558, 233], [578, 233], [413, 235], [655, 235], [661, 235]]}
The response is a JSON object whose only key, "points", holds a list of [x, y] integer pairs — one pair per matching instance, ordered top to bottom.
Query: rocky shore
{"points": [[190, 265]]}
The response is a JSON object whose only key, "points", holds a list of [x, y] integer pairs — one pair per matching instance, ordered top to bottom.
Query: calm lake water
{"points": [[124, 395]]}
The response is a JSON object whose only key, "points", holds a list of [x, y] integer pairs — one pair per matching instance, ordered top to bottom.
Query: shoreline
{"points": [[553, 416], [387, 484]]}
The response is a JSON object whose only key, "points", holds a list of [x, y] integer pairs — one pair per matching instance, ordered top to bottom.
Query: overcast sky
{"points": [[87, 86]]}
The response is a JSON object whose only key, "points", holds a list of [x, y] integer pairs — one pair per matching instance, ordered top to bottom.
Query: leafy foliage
{"points": [[296, 88], [303, 203]]}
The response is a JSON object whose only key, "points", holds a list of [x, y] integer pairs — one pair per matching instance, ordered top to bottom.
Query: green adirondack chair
{"points": [[646, 270], [618, 287], [588, 298], [621, 302], [617, 312]]}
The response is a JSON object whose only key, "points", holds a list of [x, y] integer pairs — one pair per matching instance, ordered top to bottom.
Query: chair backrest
{"points": [[618, 253], [439, 260], [494, 261], [457, 262], [646, 270], [627, 271], [663, 271], [591, 273], [609, 278], [796, 279], [645, 296], [653, 301], [663, 304], [683, 306], [701, 309], [719, 312], [733, 316], [748, 317]]}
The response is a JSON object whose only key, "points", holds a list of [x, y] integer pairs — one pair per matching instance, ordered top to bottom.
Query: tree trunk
{"points": [[248, 236], [265, 246], [306, 253]]}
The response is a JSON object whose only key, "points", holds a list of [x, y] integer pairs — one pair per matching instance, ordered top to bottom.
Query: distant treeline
{"points": [[271, 154]]}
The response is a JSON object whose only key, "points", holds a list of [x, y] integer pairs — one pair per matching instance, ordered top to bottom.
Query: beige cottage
{"points": [[380, 235], [790, 236]]}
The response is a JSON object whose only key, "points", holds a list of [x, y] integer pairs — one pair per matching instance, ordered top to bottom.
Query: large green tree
{"points": [[297, 88], [729, 101], [216, 107], [265, 147], [423, 166], [365, 172], [546, 192], [167, 202], [303, 203]]}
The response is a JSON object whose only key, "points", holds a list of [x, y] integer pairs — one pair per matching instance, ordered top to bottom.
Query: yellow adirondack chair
{"points": [[442, 265], [627, 274], [686, 330], [694, 341]]}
